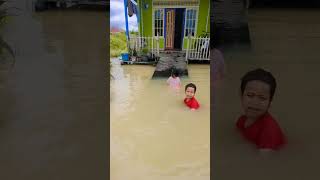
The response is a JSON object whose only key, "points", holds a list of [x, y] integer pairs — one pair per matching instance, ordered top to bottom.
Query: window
{"points": [[158, 22], [190, 24]]}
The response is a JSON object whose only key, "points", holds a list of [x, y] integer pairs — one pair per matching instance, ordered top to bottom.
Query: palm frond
{"points": [[5, 45]]}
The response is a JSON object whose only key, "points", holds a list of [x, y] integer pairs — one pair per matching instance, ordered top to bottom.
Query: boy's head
{"points": [[190, 90], [257, 90]]}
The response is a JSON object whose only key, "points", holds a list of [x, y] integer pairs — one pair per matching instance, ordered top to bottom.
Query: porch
{"points": [[197, 48], [148, 49]]}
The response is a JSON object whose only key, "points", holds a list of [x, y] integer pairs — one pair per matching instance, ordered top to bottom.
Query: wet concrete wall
{"points": [[229, 22], [54, 114]]}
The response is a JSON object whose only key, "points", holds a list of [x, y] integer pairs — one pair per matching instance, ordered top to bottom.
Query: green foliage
{"points": [[118, 43], [145, 51]]}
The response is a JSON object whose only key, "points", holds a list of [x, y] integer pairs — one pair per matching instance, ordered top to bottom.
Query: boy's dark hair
{"points": [[260, 75], [191, 85]]}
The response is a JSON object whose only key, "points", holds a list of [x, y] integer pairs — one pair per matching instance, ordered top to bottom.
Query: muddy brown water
{"points": [[285, 42], [53, 108], [53, 115], [153, 135]]}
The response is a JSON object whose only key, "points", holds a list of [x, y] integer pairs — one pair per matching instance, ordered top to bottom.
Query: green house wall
{"points": [[145, 25]]}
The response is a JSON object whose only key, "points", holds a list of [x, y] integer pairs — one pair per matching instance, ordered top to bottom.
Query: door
{"points": [[170, 19], [178, 28]]}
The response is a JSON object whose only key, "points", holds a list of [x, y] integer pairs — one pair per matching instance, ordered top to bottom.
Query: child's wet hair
{"points": [[175, 73], [260, 75], [191, 85]]}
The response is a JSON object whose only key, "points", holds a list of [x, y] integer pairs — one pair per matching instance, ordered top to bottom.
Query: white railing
{"points": [[149, 44], [198, 49]]}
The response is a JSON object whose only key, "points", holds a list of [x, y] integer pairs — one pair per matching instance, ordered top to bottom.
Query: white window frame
{"points": [[153, 21], [196, 22]]}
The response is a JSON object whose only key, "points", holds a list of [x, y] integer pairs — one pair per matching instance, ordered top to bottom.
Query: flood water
{"points": [[285, 42], [53, 115], [153, 135]]}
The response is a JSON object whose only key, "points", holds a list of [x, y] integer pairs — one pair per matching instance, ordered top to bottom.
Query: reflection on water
{"points": [[284, 41], [53, 105], [153, 135]]}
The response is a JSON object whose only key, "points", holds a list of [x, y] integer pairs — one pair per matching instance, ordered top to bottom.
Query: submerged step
{"points": [[168, 62]]}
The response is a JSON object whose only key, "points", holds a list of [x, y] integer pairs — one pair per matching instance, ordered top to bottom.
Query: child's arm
{"points": [[168, 81], [194, 106], [271, 137]]}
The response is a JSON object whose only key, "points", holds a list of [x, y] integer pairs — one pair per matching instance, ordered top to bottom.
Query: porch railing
{"points": [[141, 44], [198, 49]]}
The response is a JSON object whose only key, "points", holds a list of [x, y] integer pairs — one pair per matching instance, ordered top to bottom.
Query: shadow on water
{"points": [[285, 4], [53, 103]]}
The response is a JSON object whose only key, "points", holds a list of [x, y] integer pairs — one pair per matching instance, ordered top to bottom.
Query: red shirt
{"points": [[192, 103], [264, 132]]}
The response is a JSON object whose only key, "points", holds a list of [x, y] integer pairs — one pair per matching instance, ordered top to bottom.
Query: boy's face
{"points": [[190, 92], [256, 99]]}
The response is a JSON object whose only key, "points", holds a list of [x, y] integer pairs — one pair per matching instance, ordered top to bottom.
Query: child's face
{"points": [[190, 92], [256, 99]]}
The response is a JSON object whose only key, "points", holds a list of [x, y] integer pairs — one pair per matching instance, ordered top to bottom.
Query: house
{"points": [[176, 25]]}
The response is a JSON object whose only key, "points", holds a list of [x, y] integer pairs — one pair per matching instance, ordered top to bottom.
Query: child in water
{"points": [[217, 66], [174, 80], [190, 100], [257, 125]]}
